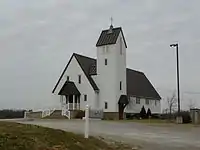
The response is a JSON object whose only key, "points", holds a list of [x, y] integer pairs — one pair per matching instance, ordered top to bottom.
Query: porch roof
{"points": [[69, 88], [123, 100]]}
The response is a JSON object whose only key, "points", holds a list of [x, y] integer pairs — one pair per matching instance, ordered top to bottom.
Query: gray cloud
{"points": [[38, 37]]}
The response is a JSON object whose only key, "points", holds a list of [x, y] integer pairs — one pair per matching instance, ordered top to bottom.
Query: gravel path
{"points": [[149, 137]]}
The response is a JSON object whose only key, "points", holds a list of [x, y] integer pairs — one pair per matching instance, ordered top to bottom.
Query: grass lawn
{"points": [[15, 136]]}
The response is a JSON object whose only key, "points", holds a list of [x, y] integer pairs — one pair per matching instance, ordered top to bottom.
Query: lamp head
{"points": [[174, 45]]}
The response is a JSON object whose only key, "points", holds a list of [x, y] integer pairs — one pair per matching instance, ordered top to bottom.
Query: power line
{"points": [[183, 92]]}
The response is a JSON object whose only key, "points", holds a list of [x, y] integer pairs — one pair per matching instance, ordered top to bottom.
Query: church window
{"points": [[106, 62], [79, 79], [85, 97], [137, 100], [147, 101], [106, 105]]}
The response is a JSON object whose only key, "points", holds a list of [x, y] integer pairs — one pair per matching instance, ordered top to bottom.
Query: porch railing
{"points": [[70, 106], [47, 112]]}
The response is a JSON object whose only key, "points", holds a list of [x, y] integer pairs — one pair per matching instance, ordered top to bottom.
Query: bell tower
{"points": [[111, 67]]}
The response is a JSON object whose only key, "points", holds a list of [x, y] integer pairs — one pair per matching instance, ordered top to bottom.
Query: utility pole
{"points": [[178, 87]]}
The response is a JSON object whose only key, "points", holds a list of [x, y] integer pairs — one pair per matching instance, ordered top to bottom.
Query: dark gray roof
{"points": [[107, 38], [87, 64], [137, 83], [69, 88]]}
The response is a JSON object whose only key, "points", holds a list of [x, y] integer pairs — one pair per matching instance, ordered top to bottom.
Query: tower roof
{"points": [[110, 36]]}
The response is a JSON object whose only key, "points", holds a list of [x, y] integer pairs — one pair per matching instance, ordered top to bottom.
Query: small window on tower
{"points": [[106, 62], [120, 86], [106, 105]]}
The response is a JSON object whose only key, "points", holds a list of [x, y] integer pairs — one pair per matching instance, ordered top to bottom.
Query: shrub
{"points": [[143, 113], [149, 113]]}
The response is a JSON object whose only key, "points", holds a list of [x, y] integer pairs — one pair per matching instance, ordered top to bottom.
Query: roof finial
{"points": [[111, 22], [111, 26]]}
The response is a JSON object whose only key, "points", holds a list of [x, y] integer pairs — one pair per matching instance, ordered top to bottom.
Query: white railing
{"points": [[70, 106], [47, 112], [67, 114]]}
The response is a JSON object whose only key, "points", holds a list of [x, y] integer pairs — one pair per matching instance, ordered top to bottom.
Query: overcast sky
{"points": [[38, 37]]}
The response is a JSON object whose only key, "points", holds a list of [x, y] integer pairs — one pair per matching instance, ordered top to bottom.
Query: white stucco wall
{"points": [[110, 75], [85, 87], [132, 107]]}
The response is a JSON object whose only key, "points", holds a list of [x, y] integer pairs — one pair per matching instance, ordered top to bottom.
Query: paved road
{"points": [[148, 136]]}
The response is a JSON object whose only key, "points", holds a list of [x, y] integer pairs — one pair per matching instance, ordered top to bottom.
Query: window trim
{"points": [[106, 61], [79, 79], [120, 85], [85, 97], [137, 100], [147, 100], [105, 105]]}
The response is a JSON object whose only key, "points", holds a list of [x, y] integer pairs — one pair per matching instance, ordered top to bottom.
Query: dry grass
{"points": [[15, 136]]}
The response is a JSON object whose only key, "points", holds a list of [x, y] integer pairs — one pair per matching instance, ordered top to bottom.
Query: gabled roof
{"points": [[107, 37], [86, 64], [137, 83], [69, 88]]}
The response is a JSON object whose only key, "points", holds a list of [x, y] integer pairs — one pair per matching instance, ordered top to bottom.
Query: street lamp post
{"points": [[178, 89]]}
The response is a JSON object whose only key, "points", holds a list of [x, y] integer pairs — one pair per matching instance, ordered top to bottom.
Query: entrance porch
{"points": [[69, 98], [70, 102]]}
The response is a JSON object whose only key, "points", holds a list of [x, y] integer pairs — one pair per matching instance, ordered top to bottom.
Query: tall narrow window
{"points": [[120, 42], [106, 62], [67, 78], [79, 79], [120, 85], [85, 97], [155, 102], [106, 105]]}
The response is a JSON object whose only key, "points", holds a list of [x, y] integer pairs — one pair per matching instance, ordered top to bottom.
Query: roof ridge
{"points": [[113, 29], [76, 54], [135, 70]]}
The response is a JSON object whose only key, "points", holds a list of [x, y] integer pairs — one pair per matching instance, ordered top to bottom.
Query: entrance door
{"points": [[121, 111]]}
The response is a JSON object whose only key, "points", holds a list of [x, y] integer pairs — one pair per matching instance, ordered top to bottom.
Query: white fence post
{"points": [[25, 114], [87, 121]]}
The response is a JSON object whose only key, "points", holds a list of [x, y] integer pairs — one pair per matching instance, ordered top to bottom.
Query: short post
{"points": [[25, 114], [87, 121]]}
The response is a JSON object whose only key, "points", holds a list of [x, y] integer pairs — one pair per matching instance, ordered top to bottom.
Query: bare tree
{"points": [[172, 104], [191, 104]]}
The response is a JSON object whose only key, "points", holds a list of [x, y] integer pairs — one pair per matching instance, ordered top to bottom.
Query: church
{"points": [[105, 83]]}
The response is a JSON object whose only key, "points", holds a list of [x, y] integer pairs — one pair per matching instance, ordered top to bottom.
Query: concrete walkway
{"points": [[148, 136]]}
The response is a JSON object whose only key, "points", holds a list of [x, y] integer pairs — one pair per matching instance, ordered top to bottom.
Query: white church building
{"points": [[105, 83]]}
